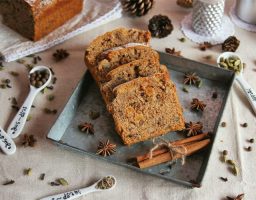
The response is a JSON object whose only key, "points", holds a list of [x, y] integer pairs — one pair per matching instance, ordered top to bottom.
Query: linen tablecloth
{"points": [[82, 170]]}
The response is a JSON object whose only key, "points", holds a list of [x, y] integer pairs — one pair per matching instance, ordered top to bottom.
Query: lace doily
{"points": [[97, 12], [238, 22], [226, 30]]}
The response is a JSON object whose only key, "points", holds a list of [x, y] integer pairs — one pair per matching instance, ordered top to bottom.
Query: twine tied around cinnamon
{"points": [[178, 149]]}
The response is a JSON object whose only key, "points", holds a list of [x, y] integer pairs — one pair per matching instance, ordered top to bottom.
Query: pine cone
{"points": [[185, 3], [137, 7], [160, 26], [230, 44]]}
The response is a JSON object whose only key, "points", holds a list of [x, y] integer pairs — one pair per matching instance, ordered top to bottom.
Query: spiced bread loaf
{"points": [[35, 19], [112, 39], [113, 59], [127, 72], [146, 107]]}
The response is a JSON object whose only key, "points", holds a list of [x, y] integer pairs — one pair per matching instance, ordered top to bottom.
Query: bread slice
{"points": [[115, 38], [116, 58], [127, 72], [146, 107]]}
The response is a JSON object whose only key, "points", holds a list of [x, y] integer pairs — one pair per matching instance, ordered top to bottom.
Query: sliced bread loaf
{"points": [[115, 38], [116, 58], [127, 72], [146, 107]]}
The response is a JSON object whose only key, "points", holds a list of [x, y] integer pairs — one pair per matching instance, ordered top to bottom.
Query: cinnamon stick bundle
{"points": [[192, 145]]}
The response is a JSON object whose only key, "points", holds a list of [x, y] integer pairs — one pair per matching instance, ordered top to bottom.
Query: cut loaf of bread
{"points": [[35, 19], [112, 39], [113, 59], [127, 72], [146, 107]]}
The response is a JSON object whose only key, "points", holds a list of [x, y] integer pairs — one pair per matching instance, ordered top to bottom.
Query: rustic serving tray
{"points": [[86, 98]]}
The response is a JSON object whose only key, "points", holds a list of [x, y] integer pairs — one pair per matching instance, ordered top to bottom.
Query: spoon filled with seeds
{"points": [[232, 61], [40, 77], [104, 184]]}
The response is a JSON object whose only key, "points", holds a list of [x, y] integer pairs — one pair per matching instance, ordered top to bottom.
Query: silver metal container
{"points": [[246, 10]]}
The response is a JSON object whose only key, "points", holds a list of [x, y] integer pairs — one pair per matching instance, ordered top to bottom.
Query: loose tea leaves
{"points": [[49, 111], [28, 171], [42, 176], [224, 179], [106, 183]]}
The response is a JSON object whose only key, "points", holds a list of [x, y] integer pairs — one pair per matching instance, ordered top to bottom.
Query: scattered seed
{"points": [[182, 39], [208, 57], [20, 61], [13, 73], [54, 80], [199, 83], [50, 87], [184, 89], [215, 95], [51, 97], [49, 111], [94, 115], [29, 118], [223, 124], [244, 125], [251, 140], [249, 148], [231, 162], [235, 170], [28, 171], [164, 171], [42, 176], [224, 179], [62, 181], [9, 182], [54, 184]]}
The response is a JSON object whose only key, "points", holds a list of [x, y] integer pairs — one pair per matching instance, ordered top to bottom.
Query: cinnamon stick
{"points": [[177, 142], [165, 157]]}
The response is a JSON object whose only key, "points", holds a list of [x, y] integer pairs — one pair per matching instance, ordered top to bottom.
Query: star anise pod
{"points": [[204, 46], [173, 51], [60, 54], [191, 78], [197, 105], [86, 127], [193, 128], [28, 140], [106, 148], [238, 197]]}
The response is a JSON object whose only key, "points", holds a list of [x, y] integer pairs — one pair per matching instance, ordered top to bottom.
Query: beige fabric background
{"points": [[81, 170]]}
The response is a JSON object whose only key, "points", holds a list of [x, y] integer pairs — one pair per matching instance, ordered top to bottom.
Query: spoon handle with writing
{"points": [[250, 93], [17, 124], [6, 143], [71, 194]]}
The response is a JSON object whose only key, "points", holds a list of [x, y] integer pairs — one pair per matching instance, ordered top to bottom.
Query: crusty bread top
{"points": [[113, 39]]}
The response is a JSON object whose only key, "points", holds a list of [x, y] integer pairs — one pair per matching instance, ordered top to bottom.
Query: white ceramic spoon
{"points": [[249, 92], [19, 120], [6, 143], [79, 192]]}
